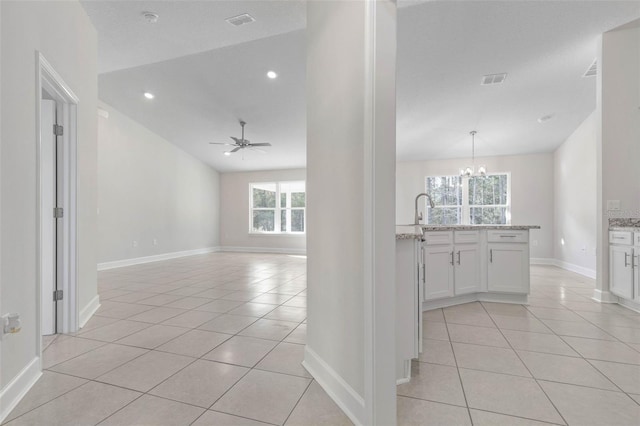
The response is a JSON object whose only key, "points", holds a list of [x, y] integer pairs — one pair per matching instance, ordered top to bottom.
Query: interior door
{"points": [[48, 224]]}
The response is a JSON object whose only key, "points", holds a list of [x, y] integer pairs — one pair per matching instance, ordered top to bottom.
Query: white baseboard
{"points": [[264, 250], [156, 258], [542, 261], [589, 273], [604, 296], [475, 297], [629, 304], [87, 312], [18, 387], [342, 394]]}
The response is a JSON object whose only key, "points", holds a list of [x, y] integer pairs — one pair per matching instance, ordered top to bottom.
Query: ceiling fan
{"points": [[241, 143]]}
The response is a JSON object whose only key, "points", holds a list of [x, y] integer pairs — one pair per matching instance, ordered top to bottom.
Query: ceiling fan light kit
{"points": [[241, 143]]}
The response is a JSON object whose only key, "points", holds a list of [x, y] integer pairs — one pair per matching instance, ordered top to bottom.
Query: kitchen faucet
{"points": [[418, 216]]}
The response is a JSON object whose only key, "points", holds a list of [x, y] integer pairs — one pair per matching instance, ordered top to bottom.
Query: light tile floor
{"points": [[206, 340], [218, 340], [563, 359]]}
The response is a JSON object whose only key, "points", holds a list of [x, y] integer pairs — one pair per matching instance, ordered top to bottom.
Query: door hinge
{"points": [[58, 130], [58, 212], [57, 295]]}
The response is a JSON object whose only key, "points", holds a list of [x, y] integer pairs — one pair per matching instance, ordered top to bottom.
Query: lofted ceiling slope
{"points": [[204, 83]]}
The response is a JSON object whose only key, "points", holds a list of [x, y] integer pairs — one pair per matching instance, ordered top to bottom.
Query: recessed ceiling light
{"points": [[150, 17], [272, 74], [149, 95], [545, 118], [227, 153]]}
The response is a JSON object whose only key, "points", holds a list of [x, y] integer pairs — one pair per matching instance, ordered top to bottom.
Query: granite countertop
{"points": [[624, 224], [474, 227], [408, 232]]}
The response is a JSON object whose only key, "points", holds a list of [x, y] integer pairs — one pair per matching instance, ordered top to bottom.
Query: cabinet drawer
{"points": [[507, 236], [466, 237], [620, 237], [433, 238]]}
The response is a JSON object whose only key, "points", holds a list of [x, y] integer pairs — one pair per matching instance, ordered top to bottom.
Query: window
{"points": [[469, 200], [277, 207]]}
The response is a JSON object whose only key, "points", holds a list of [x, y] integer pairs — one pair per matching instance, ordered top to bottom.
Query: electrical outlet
{"points": [[155, 241], [135, 243], [11, 323]]}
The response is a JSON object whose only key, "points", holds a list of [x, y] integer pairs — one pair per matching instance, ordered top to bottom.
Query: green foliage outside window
{"points": [[486, 200]]}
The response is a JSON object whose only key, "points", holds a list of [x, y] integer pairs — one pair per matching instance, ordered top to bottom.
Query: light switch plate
{"points": [[613, 204]]}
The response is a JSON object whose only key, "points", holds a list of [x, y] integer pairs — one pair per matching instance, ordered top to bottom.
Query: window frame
{"points": [[465, 206], [469, 206], [278, 209]]}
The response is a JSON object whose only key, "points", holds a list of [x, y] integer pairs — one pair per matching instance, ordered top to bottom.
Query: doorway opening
{"points": [[56, 110]]}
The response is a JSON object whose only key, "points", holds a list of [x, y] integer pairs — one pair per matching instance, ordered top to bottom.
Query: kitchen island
{"points": [[446, 265]]}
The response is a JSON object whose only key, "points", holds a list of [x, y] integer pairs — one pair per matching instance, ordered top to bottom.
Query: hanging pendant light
{"points": [[471, 171]]}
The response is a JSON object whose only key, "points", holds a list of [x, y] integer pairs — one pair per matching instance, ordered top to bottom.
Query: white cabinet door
{"points": [[438, 263], [467, 268], [508, 270], [621, 271], [636, 273]]}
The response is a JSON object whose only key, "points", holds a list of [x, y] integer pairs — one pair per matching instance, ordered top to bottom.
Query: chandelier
{"points": [[471, 170]]}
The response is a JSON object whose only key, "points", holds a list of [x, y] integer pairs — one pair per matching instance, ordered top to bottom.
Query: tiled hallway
{"points": [[218, 339]]}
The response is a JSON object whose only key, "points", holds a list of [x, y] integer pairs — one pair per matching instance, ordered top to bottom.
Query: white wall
{"points": [[63, 33], [618, 135], [150, 189], [531, 191], [575, 199], [234, 213]]}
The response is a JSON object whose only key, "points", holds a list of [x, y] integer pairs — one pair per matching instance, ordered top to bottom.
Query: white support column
{"points": [[351, 67], [618, 133]]}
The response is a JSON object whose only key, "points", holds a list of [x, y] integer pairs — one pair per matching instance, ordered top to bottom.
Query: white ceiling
{"points": [[211, 74]]}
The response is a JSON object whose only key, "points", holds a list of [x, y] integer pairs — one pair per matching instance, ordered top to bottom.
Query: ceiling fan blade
{"points": [[238, 141], [222, 143], [261, 144], [236, 149], [257, 150]]}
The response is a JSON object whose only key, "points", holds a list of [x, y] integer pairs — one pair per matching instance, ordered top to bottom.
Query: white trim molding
{"points": [[280, 250], [155, 258], [581, 270], [604, 296], [629, 304], [87, 312], [17, 388], [342, 394]]}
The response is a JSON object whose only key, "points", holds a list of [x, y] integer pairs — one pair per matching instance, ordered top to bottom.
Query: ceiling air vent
{"points": [[236, 21], [593, 69], [493, 79]]}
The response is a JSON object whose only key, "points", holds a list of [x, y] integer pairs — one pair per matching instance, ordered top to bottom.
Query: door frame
{"points": [[48, 79]]}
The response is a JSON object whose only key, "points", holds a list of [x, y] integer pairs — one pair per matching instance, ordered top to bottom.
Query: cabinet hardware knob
{"points": [[491, 255], [458, 257]]}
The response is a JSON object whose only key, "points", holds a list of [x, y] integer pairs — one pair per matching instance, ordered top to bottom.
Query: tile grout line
{"points": [[455, 359], [525, 365]]}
